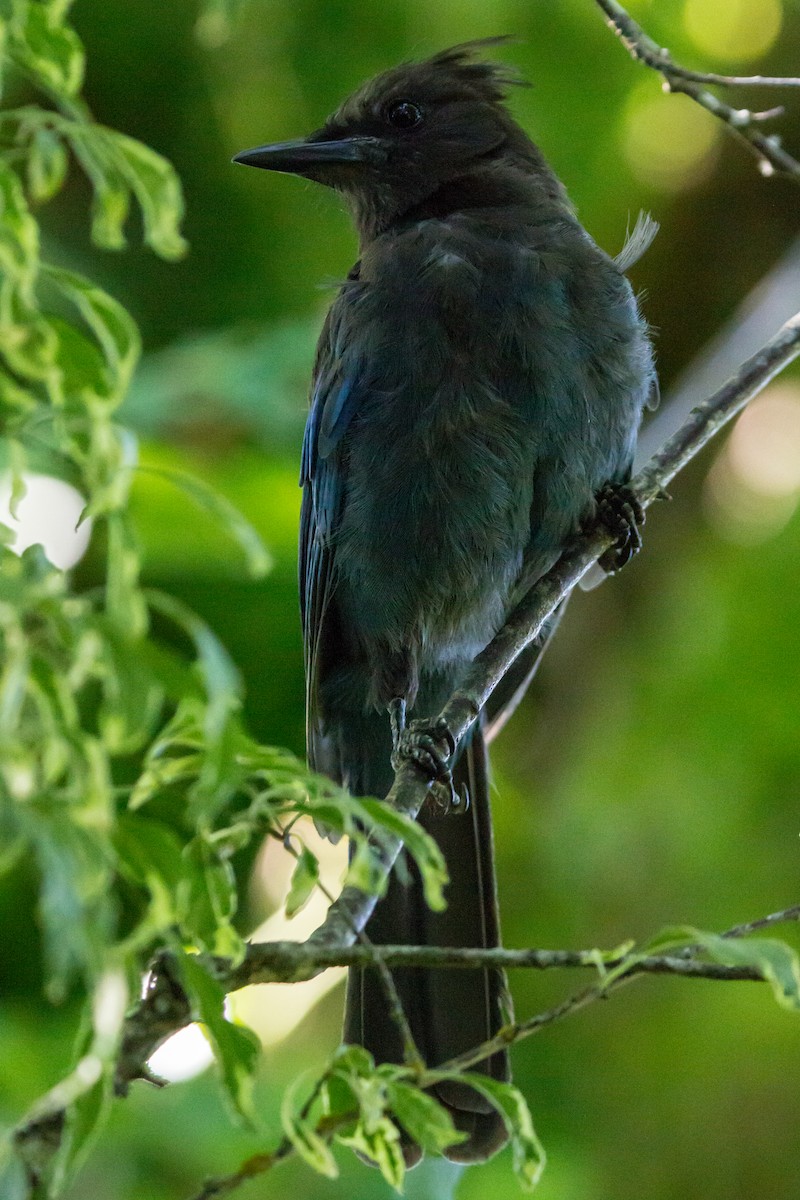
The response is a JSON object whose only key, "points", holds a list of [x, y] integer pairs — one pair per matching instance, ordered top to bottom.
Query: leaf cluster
{"points": [[126, 774]]}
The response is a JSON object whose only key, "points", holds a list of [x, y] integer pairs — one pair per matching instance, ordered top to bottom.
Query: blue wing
{"points": [[323, 479]]}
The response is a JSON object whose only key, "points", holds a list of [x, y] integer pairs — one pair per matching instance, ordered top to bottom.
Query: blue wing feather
{"points": [[322, 476]]}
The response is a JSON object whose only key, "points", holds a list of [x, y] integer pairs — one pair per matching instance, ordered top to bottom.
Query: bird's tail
{"points": [[449, 1011]]}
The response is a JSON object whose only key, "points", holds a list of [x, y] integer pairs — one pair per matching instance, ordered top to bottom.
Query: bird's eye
{"points": [[402, 114]]}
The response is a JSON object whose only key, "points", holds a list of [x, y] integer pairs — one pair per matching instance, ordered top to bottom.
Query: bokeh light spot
{"points": [[733, 30], [670, 143], [753, 488], [47, 515], [186, 1054]]}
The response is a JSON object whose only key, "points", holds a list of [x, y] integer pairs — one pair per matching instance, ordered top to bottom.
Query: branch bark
{"points": [[741, 121], [163, 1011]]}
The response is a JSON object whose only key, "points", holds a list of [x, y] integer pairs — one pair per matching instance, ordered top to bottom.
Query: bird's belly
{"points": [[431, 540]]}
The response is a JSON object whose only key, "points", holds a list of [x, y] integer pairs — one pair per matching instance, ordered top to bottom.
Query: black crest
{"points": [[488, 80]]}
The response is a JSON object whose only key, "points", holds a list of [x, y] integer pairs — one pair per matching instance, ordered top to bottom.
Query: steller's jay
{"points": [[479, 378]]}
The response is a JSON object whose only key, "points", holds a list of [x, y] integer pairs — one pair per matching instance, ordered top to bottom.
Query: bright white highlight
{"points": [[48, 516], [186, 1054]]}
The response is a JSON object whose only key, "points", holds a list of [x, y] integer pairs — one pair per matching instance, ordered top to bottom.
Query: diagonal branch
{"points": [[741, 121], [354, 908], [163, 1011]]}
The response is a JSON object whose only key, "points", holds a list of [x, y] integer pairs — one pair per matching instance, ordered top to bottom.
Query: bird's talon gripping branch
{"points": [[620, 510], [397, 718], [430, 745]]}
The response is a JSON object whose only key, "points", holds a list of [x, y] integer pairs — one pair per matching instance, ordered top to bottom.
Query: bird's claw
{"points": [[621, 511], [430, 745]]}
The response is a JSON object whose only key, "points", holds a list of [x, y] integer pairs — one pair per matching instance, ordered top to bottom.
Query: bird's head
{"points": [[408, 133]]}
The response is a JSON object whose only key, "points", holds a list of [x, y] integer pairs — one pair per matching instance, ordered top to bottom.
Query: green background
{"points": [[653, 774]]}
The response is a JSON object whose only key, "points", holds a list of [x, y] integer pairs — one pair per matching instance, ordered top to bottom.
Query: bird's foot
{"points": [[620, 510], [430, 745]]}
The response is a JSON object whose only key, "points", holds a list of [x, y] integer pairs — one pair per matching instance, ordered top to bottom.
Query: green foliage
{"points": [[126, 773], [777, 961], [236, 1048], [372, 1110]]}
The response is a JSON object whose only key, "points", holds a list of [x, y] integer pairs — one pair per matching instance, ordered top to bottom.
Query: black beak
{"points": [[304, 157]]}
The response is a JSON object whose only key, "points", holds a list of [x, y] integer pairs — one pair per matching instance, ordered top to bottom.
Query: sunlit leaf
{"points": [[50, 50], [47, 163], [156, 186], [110, 193], [19, 236], [111, 324], [124, 601], [419, 844], [150, 854], [304, 879], [208, 900], [776, 960], [236, 1048], [422, 1116], [300, 1131], [379, 1140], [529, 1155]]}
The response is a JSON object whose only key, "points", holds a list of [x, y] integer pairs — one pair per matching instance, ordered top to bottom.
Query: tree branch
{"points": [[741, 121], [270, 956], [625, 970], [162, 1011]]}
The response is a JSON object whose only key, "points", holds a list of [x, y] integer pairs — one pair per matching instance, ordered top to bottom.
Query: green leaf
{"points": [[47, 48], [46, 164], [156, 186], [110, 193], [19, 242], [111, 324], [17, 462], [258, 558], [125, 603], [221, 679], [132, 696], [160, 774], [419, 844], [150, 855], [364, 870], [304, 879], [208, 901], [76, 904], [776, 960], [236, 1048], [354, 1061], [337, 1097], [424, 1119], [301, 1132], [380, 1141], [529, 1155]]}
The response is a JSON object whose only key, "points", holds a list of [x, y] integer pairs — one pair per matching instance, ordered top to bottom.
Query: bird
{"points": [[476, 396]]}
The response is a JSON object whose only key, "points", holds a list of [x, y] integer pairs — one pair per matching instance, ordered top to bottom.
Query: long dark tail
{"points": [[449, 1011]]}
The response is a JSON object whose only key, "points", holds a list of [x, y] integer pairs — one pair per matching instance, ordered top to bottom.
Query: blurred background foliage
{"points": [[653, 774]]}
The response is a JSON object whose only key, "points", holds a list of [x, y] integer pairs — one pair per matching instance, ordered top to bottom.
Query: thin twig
{"points": [[741, 121], [526, 621], [374, 956], [429, 956], [273, 962], [604, 986], [152, 1021]]}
